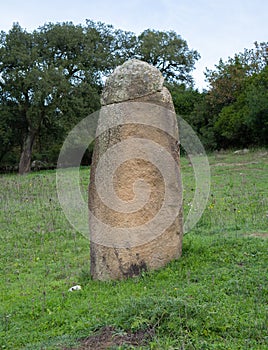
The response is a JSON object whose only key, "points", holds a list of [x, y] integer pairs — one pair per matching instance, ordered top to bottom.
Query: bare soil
{"points": [[261, 235], [107, 338]]}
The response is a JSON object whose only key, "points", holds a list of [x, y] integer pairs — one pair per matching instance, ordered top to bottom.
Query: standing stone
{"points": [[135, 191]]}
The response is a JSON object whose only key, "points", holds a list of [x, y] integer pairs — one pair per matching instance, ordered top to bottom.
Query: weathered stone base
{"points": [[109, 263]]}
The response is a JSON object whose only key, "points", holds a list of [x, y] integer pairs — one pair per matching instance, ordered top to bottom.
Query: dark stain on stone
{"points": [[135, 269]]}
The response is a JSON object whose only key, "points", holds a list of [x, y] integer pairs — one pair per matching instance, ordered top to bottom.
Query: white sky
{"points": [[216, 29]]}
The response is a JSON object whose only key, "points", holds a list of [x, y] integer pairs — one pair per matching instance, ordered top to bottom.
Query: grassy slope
{"points": [[214, 297]]}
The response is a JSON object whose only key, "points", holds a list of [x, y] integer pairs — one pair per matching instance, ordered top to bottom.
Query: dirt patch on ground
{"points": [[234, 164], [258, 234], [107, 338]]}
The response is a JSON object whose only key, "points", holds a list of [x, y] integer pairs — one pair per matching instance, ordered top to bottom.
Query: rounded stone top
{"points": [[131, 80]]}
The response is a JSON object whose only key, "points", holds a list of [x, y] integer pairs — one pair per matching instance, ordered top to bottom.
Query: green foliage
{"points": [[169, 53], [47, 74], [52, 78], [184, 98], [256, 101], [233, 112], [245, 122], [230, 125], [214, 297]]}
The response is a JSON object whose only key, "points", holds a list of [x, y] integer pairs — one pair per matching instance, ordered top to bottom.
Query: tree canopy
{"points": [[168, 52], [52, 72], [52, 77], [238, 98], [233, 111]]}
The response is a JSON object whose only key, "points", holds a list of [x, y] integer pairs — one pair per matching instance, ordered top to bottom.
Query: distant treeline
{"points": [[52, 78]]}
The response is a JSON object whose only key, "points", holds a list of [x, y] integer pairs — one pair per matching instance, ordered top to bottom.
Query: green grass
{"points": [[214, 297]]}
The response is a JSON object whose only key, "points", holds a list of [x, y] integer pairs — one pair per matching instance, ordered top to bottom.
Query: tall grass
{"points": [[214, 297]]}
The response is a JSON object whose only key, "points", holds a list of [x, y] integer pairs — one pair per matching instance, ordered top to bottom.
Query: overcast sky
{"points": [[216, 29]]}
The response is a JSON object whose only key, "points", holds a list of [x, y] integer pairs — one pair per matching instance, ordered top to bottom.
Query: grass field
{"points": [[214, 297]]}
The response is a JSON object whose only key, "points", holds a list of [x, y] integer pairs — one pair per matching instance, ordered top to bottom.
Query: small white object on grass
{"points": [[77, 287]]}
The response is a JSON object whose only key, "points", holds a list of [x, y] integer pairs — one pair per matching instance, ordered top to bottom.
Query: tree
{"points": [[169, 53], [57, 68], [51, 78], [184, 98], [256, 100], [236, 101], [245, 122]]}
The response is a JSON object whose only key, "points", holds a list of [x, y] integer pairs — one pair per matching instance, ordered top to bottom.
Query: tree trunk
{"points": [[26, 155]]}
